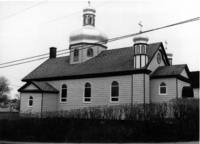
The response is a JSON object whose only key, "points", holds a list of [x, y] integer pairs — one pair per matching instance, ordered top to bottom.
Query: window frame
{"points": [[137, 49], [92, 52], [76, 57], [159, 88], [61, 91], [84, 94], [111, 96], [29, 99]]}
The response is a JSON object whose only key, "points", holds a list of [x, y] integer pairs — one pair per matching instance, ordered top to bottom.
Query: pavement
{"points": [[11, 142]]}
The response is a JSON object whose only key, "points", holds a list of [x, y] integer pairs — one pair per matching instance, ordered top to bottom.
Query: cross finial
{"points": [[89, 3], [140, 24], [166, 43]]}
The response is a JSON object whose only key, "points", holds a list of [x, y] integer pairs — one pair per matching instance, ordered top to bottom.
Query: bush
{"points": [[174, 121]]}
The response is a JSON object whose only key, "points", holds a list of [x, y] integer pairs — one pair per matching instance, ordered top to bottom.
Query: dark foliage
{"points": [[187, 92], [151, 124]]}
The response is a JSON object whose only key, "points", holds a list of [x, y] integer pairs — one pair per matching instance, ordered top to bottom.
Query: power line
{"points": [[23, 10], [109, 40], [29, 58], [28, 61]]}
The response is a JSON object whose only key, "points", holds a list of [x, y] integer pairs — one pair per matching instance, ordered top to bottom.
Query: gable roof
{"points": [[111, 62], [171, 71], [195, 79], [42, 87]]}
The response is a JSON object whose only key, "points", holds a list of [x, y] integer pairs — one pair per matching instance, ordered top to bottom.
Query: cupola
{"points": [[88, 33], [87, 41], [140, 51]]}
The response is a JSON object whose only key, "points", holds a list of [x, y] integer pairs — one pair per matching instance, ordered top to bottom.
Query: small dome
{"points": [[87, 34], [140, 39]]}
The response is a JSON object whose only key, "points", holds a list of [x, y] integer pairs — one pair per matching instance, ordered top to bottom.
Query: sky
{"points": [[29, 28]]}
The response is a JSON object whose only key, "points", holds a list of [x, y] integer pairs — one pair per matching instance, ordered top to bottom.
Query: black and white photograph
{"points": [[99, 71]]}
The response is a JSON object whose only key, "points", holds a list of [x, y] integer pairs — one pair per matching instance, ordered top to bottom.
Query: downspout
{"points": [[41, 106]]}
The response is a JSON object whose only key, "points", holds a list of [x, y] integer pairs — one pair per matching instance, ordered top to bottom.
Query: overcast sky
{"points": [[29, 28]]}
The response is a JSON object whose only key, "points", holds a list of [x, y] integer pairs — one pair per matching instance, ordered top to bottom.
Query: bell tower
{"points": [[89, 16], [88, 41], [140, 52]]}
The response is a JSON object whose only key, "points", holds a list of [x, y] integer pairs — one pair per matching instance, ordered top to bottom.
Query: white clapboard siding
{"points": [[154, 64], [171, 89], [24, 103]]}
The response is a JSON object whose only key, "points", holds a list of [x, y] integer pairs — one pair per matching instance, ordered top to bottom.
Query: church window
{"points": [[89, 20], [137, 49], [143, 51], [90, 52], [76, 54], [159, 58], [163, 89], [115, 91], [63, 93], [87, 94], [30, 101]]}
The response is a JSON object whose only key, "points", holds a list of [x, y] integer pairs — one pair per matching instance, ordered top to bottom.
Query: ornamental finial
{"points": [[89, 3], [140, 24], [166, 43]]}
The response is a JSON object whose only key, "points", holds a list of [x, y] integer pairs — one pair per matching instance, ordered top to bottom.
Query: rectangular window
{"points": [[137, 49], [76, 54], [138, 61], [163, 90]]}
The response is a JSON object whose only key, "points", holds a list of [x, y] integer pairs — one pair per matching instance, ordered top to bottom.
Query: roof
{"points": [[108, 61], [170, 71], [195, 79], [42, 87]]}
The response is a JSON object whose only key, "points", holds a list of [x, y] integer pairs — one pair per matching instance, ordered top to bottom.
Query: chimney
{"points": [[52, 52], [169, 56]]}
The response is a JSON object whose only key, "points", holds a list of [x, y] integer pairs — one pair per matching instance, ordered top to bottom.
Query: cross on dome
{"points": [[89, 3], [141, 26]]}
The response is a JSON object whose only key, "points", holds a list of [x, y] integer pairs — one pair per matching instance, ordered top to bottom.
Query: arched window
{"points": [[90, 52], [76, 54], [163, 89], [115, 91], [87, 94], [63, 97], [30, 101]]}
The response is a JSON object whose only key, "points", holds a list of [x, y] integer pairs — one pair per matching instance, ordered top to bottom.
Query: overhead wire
{"points": [[23, 10], [102, 42]]}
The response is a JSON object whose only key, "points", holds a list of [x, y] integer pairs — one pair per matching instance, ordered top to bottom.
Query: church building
{"points": [[95, 75]]}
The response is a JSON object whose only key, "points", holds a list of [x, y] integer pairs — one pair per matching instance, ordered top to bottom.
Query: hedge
{"points": [[174, 121]]}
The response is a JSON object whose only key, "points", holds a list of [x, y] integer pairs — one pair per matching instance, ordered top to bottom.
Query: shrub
{"points": [[121, 123]]}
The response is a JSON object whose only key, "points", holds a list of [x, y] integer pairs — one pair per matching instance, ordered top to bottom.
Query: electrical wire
{"points": [[23, 10], [103, 42], [29, 58]]}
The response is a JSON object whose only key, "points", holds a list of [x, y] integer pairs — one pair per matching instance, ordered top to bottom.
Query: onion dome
{"points": [[88, 33]]}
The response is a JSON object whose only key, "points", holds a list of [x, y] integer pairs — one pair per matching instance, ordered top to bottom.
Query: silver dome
{"points": [[87, 34]]}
